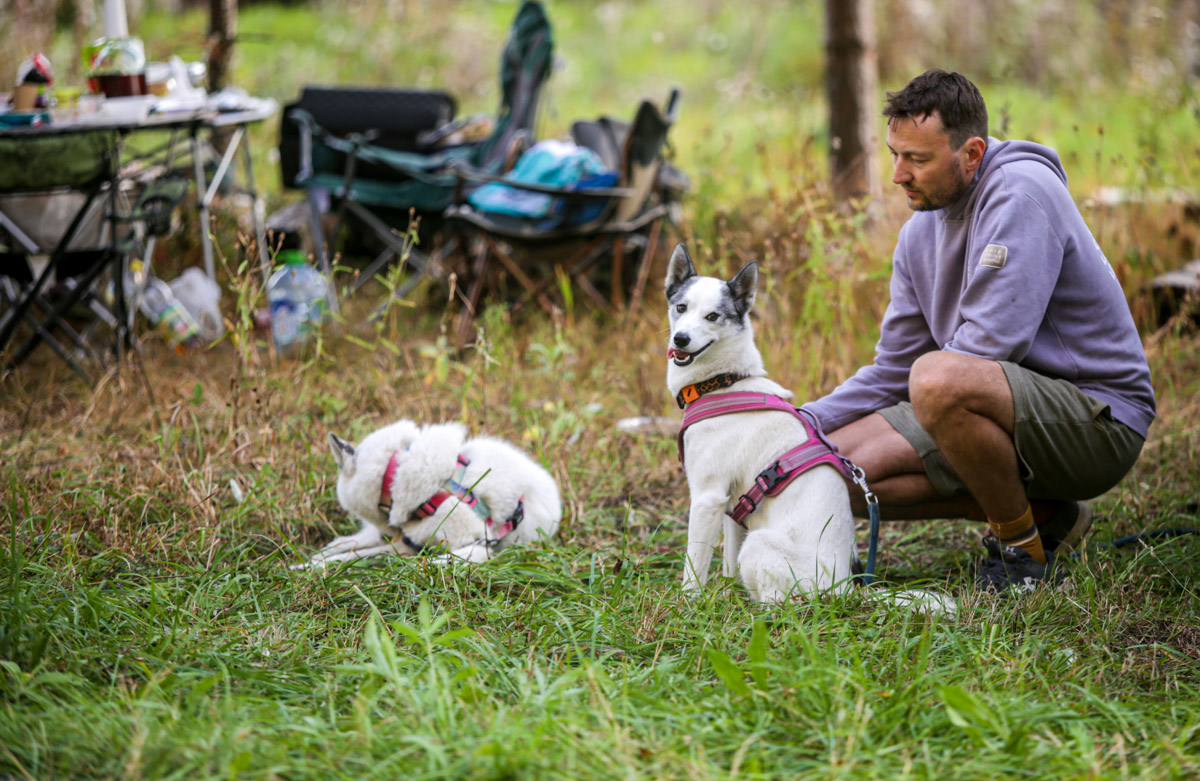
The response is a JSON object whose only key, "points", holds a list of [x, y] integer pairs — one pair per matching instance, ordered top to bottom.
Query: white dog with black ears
{"points": [[416, 487], [791, 532], [798, 542]]}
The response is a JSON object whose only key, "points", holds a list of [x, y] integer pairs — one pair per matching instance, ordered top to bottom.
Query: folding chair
{"points": [[318, 136], [81, 170], [72, 179], [382, 184], [593, 224]]}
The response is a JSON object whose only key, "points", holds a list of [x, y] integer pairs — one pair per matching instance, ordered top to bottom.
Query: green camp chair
{"points": [[56, 165], [426, 181], [65, 202], [597, 230]]}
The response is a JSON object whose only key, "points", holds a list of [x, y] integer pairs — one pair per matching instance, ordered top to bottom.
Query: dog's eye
{"points": [[681, 308], [711, 317]]}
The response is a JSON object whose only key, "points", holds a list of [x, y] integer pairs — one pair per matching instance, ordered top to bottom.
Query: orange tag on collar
{"points": [[690, 394]]}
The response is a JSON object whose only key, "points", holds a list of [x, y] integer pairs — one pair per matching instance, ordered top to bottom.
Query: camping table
{"points": [[236, 122], [195, 126], [187, 133]]}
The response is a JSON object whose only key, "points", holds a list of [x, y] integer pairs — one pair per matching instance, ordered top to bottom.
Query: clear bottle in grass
{"points": [[297, 294], [161, 308]]}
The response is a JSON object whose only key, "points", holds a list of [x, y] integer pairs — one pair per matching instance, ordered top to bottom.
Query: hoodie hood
{"points": [[1003, 153]]}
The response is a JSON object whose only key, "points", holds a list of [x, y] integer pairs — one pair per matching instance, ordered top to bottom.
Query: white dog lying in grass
{"points": [[415, 487]]}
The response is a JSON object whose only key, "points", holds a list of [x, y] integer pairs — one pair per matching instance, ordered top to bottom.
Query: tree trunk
{"points": [[221, 33], [852, 85]]}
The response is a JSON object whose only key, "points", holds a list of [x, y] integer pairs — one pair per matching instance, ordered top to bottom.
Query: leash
{"points": [[816, 450], [860, 479], [1173, 531]]}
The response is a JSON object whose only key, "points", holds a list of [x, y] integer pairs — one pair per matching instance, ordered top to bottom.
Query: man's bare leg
{"points": [[966, 405], [894, 470], [895, 473]]}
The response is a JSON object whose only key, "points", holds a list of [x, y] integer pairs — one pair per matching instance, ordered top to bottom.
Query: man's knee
{"points": [[943, 383], [935, 386]]}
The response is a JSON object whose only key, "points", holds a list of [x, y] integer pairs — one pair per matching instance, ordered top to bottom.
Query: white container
{"points": [[201, 297]]}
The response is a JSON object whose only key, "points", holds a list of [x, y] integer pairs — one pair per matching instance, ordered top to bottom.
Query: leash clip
{"points": [[860, 479]]}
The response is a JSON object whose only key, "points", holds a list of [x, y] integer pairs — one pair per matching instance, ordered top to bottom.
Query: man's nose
{"points": [[900, 173]]}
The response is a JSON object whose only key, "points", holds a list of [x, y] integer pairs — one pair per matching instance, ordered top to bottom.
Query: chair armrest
{"points": [[309, 128], [432, 168]]}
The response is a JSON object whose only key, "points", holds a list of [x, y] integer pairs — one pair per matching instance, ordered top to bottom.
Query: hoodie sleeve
{"points": [[1013, 262], [903, 337]]}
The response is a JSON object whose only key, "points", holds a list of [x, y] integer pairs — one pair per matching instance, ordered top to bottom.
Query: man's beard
{"points": [[945, 196]]}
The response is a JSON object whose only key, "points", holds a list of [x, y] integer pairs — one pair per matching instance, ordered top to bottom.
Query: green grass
{"points": [[150, 626]]}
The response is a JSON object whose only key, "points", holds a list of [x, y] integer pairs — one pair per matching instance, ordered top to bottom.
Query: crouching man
{"points": [[1009, 381]]}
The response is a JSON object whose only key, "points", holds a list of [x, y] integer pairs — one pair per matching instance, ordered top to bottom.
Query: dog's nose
{"points": [[682, 339]]}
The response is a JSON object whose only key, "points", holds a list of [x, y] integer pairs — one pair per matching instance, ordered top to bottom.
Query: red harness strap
{"points": [[816, 450], [453, 488]]}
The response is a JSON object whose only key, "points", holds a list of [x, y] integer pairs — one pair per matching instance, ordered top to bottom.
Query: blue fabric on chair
{"points": [[551, 163]]}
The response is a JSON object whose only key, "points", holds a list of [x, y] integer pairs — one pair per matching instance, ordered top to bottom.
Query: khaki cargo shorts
{"points": [[1068, 444]]}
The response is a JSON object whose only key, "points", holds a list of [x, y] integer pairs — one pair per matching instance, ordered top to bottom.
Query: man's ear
{"points": [[973, 151], [679, 270], [743, 286], [343, 452]]}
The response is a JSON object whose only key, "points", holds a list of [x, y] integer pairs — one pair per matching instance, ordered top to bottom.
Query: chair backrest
{"points": [[524, 65], [396, 116], [604, 136], [632, 149], [52, 160]]}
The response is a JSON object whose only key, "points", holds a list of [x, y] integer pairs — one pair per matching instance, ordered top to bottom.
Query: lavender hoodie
{"points": [[1008, 273]]}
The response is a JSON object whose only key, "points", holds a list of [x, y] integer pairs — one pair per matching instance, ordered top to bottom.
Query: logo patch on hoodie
{"points": [[994, 256]]}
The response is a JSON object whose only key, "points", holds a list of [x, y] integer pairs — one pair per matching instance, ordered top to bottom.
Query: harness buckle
{"points": [[770, 478], [747, 504]]}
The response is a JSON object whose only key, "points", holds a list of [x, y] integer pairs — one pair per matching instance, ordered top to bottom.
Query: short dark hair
{"points": [[952, 95]]}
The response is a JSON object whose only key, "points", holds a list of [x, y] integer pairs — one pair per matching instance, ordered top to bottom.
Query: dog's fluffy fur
{"points": [[501, 475], [802, 540], [799, 541]]}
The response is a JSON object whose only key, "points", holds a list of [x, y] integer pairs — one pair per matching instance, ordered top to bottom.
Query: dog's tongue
{"points": [[673, 353]]}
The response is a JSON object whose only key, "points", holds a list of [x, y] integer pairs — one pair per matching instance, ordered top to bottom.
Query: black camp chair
{"points": [[318, 138], [75, 177], [382, 184], [598, 228]]}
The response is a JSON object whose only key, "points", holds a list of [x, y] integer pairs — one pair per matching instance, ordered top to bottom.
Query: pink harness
{"points": [[816, 450], [453, 487]]}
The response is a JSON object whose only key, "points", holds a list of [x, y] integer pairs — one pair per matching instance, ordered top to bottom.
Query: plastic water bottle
{"points": [[297, 295], [162, 309]]}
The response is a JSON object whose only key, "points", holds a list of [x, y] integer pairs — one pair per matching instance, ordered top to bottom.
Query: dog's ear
{"points": [[679, 269], [743, 286], [343, 451]]}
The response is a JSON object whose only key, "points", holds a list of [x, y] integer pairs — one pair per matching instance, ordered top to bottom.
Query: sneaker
{"points": [[1067, 527], [1008, 569]]}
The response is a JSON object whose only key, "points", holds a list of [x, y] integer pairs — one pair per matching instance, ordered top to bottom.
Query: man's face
{"points": [[933, 175]]}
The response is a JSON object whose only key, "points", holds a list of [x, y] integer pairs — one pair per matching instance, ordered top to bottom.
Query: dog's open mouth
{"points": [[683, 358]]}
